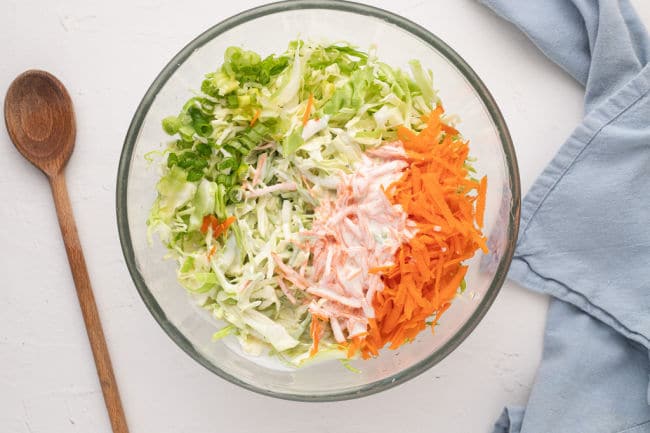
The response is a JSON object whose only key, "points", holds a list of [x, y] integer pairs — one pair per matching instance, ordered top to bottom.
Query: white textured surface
{"points": [[107, 53]]}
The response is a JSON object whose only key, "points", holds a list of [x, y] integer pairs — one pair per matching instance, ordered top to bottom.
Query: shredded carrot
{"points": [[310, 105], [255, 117], [480, 201], [448, 208], [207, 222], [228, 222], [218, 228], [212, 251], [315, 331], [354, 346]]}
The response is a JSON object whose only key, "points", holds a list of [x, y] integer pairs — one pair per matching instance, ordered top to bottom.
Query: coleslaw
{"points": [[273, 197]]}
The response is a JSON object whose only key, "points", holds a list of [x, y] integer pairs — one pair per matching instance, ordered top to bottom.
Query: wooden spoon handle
{"points": [[87, 303]]}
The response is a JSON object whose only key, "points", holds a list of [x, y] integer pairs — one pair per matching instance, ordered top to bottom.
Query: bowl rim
{"points": [[360, 9]]}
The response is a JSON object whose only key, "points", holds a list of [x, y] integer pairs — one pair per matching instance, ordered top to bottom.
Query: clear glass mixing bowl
{"points": [[268, 29]]}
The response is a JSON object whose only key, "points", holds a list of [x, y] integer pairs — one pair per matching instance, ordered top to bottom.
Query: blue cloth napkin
{"points": [[585, 226]]}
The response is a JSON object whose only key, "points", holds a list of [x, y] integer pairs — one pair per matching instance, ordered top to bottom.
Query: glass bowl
{"points": [[268, 29]]}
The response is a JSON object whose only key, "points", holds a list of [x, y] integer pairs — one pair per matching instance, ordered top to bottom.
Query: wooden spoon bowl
{"points": [[40, 120]]}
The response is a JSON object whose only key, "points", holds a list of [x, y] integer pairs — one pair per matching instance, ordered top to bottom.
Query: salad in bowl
{"points": [[319, 203]]}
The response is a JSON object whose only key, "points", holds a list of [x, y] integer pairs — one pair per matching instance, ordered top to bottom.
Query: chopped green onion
{"points": [[232, 101], [200, 122], [171, 125], [203, 149], [172, 159], [227, 165], [194, 175]]}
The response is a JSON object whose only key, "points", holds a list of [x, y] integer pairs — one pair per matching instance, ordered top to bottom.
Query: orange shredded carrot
{"points": [[310, 105], [255, 117], [480, 201], [447, 208], [208, 221], [227, 223], [218, 228], [212, 251], [315, 331], [354, 345]]}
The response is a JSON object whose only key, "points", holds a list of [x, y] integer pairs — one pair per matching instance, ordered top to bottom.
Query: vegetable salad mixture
{"points": [[319, 202]]}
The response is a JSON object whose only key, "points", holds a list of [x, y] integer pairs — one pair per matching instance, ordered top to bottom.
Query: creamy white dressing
{"points": [[359, 229]]}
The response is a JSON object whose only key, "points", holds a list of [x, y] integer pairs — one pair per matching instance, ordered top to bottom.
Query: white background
{"points": [[107, 53]]}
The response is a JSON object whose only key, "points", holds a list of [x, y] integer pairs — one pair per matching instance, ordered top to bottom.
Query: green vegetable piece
{"points": [[346, 49], [345, 57], [247, 66], [272, 66], [290, 80], [423, 80], [218, 84], [243, 100], [346, 100], [232, 101], [200, 122], [171, 125], [260, 129], [187, 132], [248, 141], [292, 142], [184, 144], [238, 146], [233, 147], [204, 149], [172, 160], [186, 160], [199, 163], [227, 165], [241, 171], [195, 174], [224, 179], [174, 191], [234, 194], [220, 202], [203, 203], [188, 265], [198, 282], [223, 332], [348, 366]]}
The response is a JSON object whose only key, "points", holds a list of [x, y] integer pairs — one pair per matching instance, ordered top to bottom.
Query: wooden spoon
{"points": [[40, 120]]}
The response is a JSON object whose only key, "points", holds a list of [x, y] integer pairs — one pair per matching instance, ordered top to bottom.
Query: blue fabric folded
{"points": [[585, 225]]}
